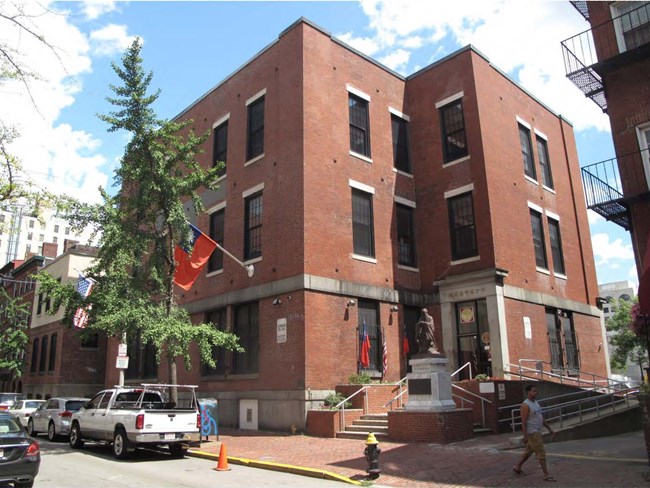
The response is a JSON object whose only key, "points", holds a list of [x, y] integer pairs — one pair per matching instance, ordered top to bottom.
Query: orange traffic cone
{"points": [[222, 465]]}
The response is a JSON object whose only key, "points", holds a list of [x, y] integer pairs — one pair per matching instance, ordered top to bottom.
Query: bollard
{"points": [[372, 453]]}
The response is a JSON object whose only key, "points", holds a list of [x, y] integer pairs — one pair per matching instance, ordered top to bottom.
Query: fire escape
{"points": [[612, 185]]}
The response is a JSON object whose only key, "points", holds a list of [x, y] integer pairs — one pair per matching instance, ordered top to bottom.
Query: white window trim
{"points": [[357, 92], [256, 97], [449, 99], [401, 115], [221, 120], [524, 123], [540, 134], [643, 144], [360, 156], [254, 160], [456, 161], [403, 173], [532, 180], [361, 186], [252, 190], [550, 190], [459, 191], [404, 201], [536, 207], [216, 208], [552, 215], [366, 259], [254, 260], [466, 260], [408, 268], [543, 270], [214, 273], [560, 276]]}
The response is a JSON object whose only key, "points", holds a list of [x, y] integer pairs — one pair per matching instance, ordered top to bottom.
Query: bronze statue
{"points": [[424, 334]]}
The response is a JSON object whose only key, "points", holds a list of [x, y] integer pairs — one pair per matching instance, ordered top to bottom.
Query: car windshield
{"points": [[32, 404], [74, 405], [9, 425]]}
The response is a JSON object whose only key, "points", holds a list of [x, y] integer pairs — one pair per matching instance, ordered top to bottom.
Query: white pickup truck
{"points": [[134, 416]]}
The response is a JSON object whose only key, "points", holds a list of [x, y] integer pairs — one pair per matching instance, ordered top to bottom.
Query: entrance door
{"points": [[554, 331], [473, 338]]}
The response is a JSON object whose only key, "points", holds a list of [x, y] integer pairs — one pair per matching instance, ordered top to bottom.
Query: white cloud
{"points": [[94, 9], [518, 37], [110, 40], [366, 45], [396, 59], [56, 156], [594, 218], [607, 251]]}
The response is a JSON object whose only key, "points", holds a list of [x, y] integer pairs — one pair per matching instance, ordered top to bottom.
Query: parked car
{"points": [[8, 399], [23, 408], [54, 417], [20, 456]]}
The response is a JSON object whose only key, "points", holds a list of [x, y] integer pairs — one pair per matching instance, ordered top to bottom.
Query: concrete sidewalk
{"points": [[616, 461]]}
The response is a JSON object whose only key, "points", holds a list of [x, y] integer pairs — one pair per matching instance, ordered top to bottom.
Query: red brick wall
{"points": [[378, 396], [326, 423], [438, 427]]}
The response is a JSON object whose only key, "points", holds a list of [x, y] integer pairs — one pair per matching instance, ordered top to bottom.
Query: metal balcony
{"points": [[582, 8], [588, 56], [611, 186]]}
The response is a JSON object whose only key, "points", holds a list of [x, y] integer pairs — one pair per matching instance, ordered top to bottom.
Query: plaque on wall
{"points": [[419, 387]]}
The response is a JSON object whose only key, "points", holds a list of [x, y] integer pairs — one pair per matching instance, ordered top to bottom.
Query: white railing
{"points": [[467, 365], [403, 389], [483, 401], [341, 405]]}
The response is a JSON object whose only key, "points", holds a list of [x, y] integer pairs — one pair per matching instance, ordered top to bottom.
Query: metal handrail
{"points": [[468, 365], [402, 391], [624, 398], [483, 400], [342, 403]]}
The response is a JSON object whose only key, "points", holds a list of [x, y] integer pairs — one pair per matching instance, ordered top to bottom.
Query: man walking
{"points": [[532, 422]]}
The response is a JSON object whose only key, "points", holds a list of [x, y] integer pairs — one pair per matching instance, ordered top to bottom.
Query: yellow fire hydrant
{"points": [[372, 453]]}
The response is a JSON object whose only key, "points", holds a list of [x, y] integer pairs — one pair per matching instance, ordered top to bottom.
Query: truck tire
{"points": [[76, 442], [120, 444], [177, 450], [24, 484]]}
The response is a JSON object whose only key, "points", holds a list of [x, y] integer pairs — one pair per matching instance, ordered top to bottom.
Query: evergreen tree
{"points": [[140, 227]]}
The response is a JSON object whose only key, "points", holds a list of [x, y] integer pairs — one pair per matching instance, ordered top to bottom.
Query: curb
{"points": [[285, 468]]}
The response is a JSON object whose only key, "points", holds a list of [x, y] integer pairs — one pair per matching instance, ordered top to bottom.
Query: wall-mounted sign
{"points": [[466, 315], [282, 330], [528, 330], [121, 350], [122, 362], [485, 387], [502, 391]]}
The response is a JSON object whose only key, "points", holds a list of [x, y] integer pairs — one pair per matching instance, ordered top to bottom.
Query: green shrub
{"points": [[481, 377], [359, 379], [334, 399]]}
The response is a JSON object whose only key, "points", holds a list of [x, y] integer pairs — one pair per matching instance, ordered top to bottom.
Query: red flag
{"points": [[190, 262], [644, 280], [405, 344], [365, 347], [385, 355]]}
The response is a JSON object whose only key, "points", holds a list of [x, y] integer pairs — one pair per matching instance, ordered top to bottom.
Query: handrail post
{"points": [[365, 400]]}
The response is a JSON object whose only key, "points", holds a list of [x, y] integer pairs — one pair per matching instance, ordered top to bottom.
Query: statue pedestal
{"points": [[429, 385]]}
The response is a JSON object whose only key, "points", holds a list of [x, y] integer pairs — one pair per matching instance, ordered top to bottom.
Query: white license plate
{"points": [[170, 437]]}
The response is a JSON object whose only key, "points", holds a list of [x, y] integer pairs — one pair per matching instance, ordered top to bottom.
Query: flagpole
{"points": [[250, 269]]}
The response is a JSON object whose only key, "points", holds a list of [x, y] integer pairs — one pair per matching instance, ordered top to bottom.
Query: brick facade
{"points": [[436, 427]]}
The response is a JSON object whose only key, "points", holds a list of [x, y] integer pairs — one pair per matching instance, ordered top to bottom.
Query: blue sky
{"points": [[192, 46]]}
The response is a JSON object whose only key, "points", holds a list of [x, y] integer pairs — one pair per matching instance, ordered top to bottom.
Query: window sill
{"points": [[361, 157], [254, 160], [456, 161], [403, 173], [220, 178], [531, 180], [548, 189], [366, 259], [253, 260], [466, 260], [408, 268], [543, 270], [214, 273], [561, 276], [243, 376]]}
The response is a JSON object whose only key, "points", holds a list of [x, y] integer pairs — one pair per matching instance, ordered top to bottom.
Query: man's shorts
{"points": [[535, 445]]}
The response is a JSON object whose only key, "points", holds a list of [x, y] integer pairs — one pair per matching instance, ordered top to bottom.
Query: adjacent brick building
{"points": [[361, 196]]}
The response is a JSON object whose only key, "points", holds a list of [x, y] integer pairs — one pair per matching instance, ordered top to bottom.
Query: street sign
{"points": [[121, 350], [122, 362]]}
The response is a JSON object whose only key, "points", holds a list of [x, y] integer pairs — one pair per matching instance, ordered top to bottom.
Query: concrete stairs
{"points": [[375, 423]]}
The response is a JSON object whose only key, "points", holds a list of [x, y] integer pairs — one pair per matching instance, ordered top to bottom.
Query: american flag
{"points": [[84, 286], [385, 355]]}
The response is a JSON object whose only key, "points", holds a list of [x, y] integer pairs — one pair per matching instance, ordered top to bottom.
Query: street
{"points": [[94, 465]]}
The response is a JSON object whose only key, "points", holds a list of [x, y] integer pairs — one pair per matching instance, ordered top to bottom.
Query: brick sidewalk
{"points": [[481, 461]]}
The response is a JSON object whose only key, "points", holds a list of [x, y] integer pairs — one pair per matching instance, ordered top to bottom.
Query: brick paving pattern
{"points": [[479, 462]]}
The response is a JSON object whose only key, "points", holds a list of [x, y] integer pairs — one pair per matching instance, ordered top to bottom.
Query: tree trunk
{"points": [[173, 379]]}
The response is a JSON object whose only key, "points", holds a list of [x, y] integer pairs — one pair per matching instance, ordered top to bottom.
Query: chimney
{"points": [[69, 244], [50, 249]]}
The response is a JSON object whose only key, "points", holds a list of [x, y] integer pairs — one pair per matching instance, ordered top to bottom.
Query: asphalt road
{"points": [[94, 466]]}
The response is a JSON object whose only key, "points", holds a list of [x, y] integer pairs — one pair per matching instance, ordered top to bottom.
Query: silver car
{"points": [[22, 409], [54, 417]]}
